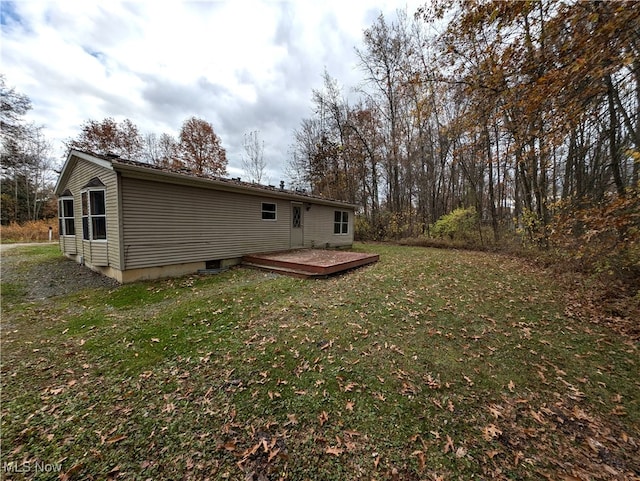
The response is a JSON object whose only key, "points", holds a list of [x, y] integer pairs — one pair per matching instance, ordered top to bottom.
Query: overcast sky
{"points": [[240, 65]]}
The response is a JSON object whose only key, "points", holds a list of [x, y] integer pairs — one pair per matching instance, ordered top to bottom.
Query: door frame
{"points": [[296, 233]]}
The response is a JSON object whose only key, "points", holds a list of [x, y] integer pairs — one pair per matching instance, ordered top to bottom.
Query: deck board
{"points": [[309, 263]]}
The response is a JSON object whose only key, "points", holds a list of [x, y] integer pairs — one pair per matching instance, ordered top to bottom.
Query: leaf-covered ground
{"points": [[429, 365]]}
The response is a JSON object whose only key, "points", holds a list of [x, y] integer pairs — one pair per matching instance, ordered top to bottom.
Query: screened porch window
{"points": [[94, 215], [341, 222], [66, 224]]}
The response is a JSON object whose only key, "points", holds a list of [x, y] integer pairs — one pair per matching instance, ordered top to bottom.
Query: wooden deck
{"points": [[309, 263]]}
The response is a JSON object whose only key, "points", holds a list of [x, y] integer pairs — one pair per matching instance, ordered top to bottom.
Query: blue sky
{"points": [[241, 65]]}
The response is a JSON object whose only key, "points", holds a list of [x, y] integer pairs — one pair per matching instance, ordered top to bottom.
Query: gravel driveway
{"points": [[50, 278]]}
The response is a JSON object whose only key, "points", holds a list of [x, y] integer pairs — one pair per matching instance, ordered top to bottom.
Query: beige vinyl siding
{"points": [[169, 224], [318, 227], [68, 243], [98, 253]]}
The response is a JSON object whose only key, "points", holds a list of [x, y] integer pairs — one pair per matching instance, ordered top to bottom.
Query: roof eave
{"points": [[144, 173]]}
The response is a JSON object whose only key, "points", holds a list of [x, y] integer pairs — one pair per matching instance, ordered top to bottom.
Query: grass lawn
{"points": [[430, 364]]}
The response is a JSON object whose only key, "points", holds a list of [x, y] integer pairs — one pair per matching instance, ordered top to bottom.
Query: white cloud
{"points": [[241, 65]]}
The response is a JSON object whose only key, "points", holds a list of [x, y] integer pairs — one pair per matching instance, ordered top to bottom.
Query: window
{"points": [[268, 211], [94, 218], [296, 221], [341, 222], [66, 224]]}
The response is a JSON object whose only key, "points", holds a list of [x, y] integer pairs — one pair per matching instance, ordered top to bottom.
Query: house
{"points": [[131, 221]]}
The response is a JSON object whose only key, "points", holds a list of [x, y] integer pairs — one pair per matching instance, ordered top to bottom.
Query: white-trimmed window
{"points": [[269, 211], [94, 214], [66, 221], [341, 222]]}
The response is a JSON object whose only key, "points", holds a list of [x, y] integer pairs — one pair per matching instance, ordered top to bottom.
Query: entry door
{"points": [[297, 229]]}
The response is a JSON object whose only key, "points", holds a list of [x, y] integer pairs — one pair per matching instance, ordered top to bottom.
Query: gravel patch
{"points": [[53, 278]]}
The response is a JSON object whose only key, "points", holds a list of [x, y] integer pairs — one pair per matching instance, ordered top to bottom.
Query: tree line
{"points": [[524, 114], [197, 148], [26, 161], [28, 174]]}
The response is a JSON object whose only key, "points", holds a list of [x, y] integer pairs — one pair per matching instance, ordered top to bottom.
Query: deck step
{"points": [[285, 271]]}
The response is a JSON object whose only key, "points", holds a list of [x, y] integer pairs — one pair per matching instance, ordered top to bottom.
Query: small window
{"points": [[268, 211], [94, 218], [341, 222], [66, 224]]}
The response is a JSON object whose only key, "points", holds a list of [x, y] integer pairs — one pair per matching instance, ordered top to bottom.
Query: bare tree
{"points": [[13, 106], [151, 148], [168, 151], [253, 162]]}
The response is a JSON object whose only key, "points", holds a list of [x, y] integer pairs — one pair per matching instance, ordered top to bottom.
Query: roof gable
{"points": [[71, 162], [95, 182]]}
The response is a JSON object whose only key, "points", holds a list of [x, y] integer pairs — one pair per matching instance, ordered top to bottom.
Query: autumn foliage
{"points": [[526, 113], [108, 136], [200, 148], [31, 231], [604, 236]]}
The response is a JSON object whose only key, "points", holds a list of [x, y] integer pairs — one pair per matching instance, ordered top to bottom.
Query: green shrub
{"points": [[461, 224]]}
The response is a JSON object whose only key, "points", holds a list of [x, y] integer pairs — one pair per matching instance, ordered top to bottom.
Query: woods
{"points": [[526, 112], [26, 163]]}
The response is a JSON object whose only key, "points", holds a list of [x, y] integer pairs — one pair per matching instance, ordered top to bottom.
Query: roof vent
{"points": [[282, 185]]}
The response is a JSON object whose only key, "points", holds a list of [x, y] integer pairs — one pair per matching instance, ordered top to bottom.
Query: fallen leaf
{"points": [[155, 339], [511, 386], [349, 387], [274, 394], [379, 396], [349, 406], [495, 411], [537, 416], [323, 417], [293, 419], [491, 431], [116, 439], [449, 446], [596, 446], [334, 450], [461, 452], [273, 454], [492, 454], [518, 457], [421, 459], [611, 470], [70, 472]]}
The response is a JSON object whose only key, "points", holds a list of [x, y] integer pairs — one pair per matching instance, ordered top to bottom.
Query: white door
{"points": [[297, 226]]}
